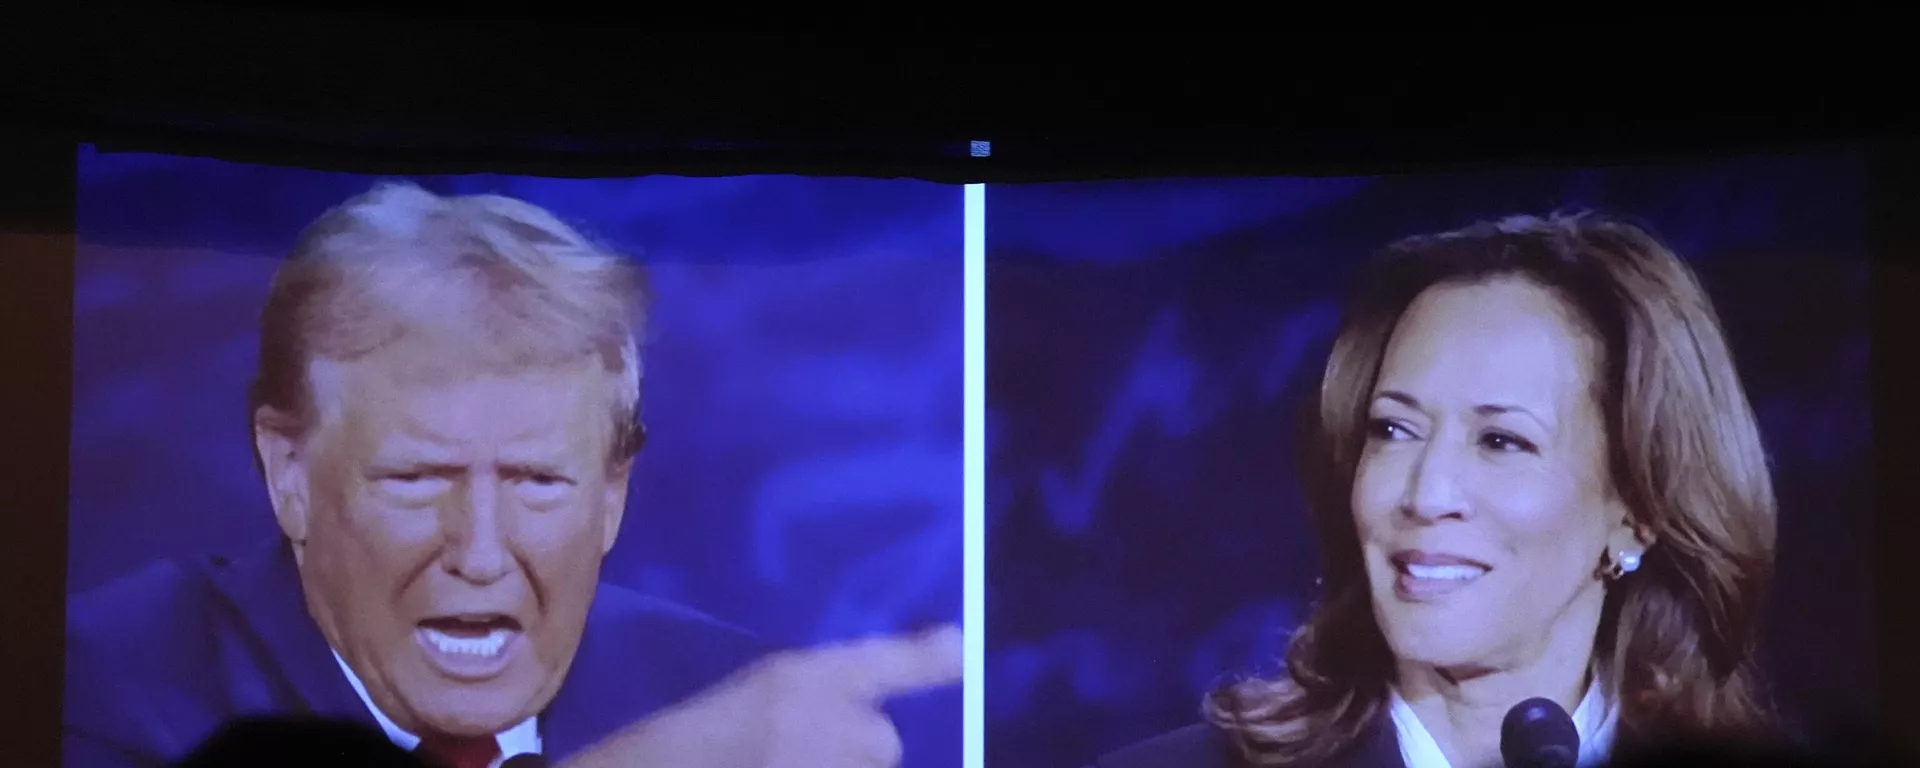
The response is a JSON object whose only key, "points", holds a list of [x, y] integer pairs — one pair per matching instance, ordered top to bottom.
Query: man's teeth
{"points": [[1449, 572], [489, 645]]}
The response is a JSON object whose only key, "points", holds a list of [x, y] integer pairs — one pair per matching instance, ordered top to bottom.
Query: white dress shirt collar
{"points": [[1594, 719], [521, 739]]}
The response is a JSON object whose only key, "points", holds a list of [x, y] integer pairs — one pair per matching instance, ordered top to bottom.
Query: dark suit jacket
{"points": [[160, 659], [1203, 746]]}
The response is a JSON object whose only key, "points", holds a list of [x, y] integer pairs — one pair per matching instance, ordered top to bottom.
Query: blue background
{"points": [[1148, 343], [802, 476]]}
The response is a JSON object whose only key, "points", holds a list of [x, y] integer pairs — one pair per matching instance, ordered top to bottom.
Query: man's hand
{"points": [[818, 708]]}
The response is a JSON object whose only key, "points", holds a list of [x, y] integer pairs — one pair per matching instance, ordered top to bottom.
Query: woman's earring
{"points": [[1623, 563]]}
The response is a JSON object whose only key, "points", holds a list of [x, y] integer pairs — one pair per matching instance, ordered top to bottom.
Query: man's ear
{"points": [[283, 461], [613, 507]]}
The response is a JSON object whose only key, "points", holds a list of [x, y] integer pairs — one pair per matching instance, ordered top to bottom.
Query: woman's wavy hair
{"points": [[1676, 642]]}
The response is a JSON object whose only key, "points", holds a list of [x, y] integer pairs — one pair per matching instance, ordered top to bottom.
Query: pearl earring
{"points": [[1624, 563]]}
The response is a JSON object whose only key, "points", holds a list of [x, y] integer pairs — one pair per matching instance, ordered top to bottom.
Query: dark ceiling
{"points": [[574, 78]]}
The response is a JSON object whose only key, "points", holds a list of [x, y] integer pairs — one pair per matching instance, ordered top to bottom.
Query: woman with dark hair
{"points": [[1534, 474]]}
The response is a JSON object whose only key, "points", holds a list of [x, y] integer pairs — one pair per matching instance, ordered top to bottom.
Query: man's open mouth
{"points": [[468, 645]]}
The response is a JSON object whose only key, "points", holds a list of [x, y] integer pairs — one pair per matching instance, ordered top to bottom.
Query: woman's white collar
{"points": [[1594, 718]]}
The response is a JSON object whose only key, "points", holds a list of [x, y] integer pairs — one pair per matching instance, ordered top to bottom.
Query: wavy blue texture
{"points": [[1148, 342], [802, 392]]}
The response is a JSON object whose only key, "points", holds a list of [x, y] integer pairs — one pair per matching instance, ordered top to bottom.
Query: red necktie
{"points": [[459, 751]]}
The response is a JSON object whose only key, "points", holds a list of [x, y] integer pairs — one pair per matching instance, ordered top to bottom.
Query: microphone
{"points": [[1537, 733], [525, 760]]}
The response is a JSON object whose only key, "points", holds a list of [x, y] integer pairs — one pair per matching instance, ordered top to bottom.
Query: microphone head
{"points": [[1537, 733], [525, 760]]}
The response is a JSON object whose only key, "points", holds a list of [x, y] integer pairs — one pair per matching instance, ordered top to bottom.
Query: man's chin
{"points": [[459, 708], [456, 715]]}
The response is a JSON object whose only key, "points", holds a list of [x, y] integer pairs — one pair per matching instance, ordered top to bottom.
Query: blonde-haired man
{"points": [[445, 416]]}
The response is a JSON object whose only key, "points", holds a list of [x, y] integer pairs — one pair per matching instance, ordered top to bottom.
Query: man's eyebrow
{"points": [[414, 454], [530, 462], [528, 468], [385, 471]]}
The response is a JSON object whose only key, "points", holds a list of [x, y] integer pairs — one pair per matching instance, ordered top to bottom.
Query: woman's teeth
{"points": [[1447, 572]]}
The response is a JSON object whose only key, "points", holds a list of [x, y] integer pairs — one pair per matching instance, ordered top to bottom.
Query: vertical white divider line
{"points": [[974, 477]]}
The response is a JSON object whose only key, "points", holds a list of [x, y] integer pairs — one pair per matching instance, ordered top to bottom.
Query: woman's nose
{"points": [[1433, 490]]}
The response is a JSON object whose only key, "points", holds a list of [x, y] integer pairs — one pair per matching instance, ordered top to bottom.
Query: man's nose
{"points": [[1434, 490], [476, 546]]}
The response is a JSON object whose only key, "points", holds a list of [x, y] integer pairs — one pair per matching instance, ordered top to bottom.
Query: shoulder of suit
{"points": [[619, 608], [140, 612], [700, 647], [138, 651], [638, 655], [1195, 746], [1204, 746]]}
